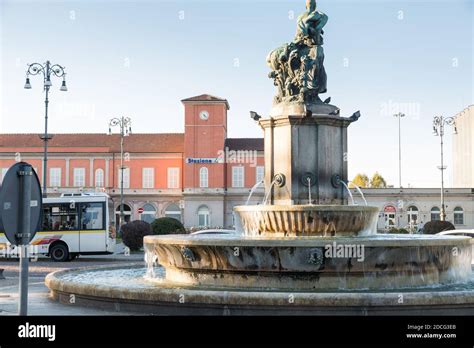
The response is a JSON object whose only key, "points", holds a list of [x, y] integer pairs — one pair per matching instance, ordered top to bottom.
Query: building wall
{"points": [[463, 149], [424, 199]]}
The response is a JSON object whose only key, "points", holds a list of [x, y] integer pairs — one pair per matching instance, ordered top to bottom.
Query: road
{"points": [[39, 302]]}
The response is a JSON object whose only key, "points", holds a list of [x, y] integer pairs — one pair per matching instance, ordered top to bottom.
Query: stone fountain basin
{"points": [[308, 220], [387, 262]]}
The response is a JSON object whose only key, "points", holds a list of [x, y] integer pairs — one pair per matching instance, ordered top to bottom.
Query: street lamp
{"points": [[48, 71], [399, 116], [125, 125], [438, 130]]}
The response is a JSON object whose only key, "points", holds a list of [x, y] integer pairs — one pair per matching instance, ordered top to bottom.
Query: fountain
{"points": [[305, 241]]}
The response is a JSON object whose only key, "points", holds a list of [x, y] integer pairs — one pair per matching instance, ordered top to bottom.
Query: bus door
{"points": [[92, 234]]}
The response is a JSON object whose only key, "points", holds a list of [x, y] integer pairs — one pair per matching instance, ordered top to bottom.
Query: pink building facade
{"points": [[197, 176]]}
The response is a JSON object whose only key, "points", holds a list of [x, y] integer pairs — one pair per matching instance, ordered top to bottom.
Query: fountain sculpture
{"points": [[305, 238], [293, 242]]}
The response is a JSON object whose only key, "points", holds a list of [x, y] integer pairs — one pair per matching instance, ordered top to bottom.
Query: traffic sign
{"points": [[20, 177], [140, 210]]}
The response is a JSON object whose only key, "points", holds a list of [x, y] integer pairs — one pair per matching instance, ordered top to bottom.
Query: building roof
{"points": [[206, 98], [138, 143], [244, 144]]}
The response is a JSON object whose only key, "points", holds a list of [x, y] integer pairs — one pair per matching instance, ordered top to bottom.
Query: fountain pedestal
{"points": [[306, 153]]}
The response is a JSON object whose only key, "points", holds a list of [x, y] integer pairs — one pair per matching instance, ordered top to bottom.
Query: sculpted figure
{"points": [[298, 67]]}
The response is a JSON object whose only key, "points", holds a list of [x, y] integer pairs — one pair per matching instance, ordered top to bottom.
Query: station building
{"points": [[197, 176]]}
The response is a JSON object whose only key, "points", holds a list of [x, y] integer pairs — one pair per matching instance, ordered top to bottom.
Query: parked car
{"points": [[215, 231]]}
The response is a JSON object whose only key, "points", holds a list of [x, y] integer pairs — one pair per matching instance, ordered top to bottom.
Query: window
{"points": [[3, 173], [259, 174], [238, 176], [55, 177], [79, 177], [148, 177], [203, 177], [99, 178], [126, 178], [173, 178], [173, 211], [149, 213], [127, 214], [435, 214], [412, 215], [92, 216], [203, 216], [458, 216], [59, 217]]}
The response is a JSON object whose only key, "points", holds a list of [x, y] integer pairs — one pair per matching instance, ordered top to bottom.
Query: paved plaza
{"points": [[39, 302]]}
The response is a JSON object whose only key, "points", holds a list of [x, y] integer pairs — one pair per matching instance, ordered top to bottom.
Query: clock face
{"points": [[204, 115]]}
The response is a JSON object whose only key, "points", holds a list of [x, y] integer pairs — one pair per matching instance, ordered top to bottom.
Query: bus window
{"points": [[92, 216], [59, 217]]}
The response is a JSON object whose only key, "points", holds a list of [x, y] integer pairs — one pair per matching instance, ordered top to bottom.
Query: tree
{"points": [[361, 180], [378, 181], [167, 225], [433, 227], [133, 233]]}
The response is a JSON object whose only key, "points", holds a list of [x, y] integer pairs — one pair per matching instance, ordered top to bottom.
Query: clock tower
{"points": [[204, 137]]}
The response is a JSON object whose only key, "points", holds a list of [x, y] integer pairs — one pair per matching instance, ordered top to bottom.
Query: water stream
{"points": [[252, 190], [309, 191], [349, 191], [360, 191], [265, 200]]}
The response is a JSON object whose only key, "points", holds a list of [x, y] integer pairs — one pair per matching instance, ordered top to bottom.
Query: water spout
{"points": [[252, 190], [309, 190], [348, 190], [360, 191], [265, 200]]}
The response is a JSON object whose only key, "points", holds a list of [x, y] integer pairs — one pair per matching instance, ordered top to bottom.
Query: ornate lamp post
{"points": [[48, 71], [125, 126], [438, 130]]}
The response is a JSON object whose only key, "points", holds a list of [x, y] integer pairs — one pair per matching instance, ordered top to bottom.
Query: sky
{"points": [[140, 58]]}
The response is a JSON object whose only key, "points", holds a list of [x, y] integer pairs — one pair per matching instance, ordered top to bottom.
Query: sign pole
{"points": [[25, 173]]}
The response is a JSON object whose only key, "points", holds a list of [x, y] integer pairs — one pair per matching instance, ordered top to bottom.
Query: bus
{"points": [[72, 225]]}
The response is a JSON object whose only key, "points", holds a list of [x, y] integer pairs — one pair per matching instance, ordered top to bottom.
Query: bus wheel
{"points": [[59, 252]]}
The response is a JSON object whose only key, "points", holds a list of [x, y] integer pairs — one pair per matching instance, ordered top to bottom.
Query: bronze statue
{"points": [[298, 67]]}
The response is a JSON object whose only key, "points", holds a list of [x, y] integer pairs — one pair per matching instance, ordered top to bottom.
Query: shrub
{"points": [[167, 225], [434, 227], [399, 230], [133, 233]]}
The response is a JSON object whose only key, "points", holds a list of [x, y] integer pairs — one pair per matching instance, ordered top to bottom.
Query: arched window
{"points": [[203, 177], [99, 178], [173, 211], [412, 212], [149, 213], [127, 214], [435, 214], [204, 216], [458, 216]]}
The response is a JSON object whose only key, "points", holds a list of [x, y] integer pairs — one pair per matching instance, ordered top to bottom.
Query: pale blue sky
{"points": [[140, 58]]}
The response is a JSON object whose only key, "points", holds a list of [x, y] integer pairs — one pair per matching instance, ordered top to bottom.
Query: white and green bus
{"points": [[73, 224]]}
